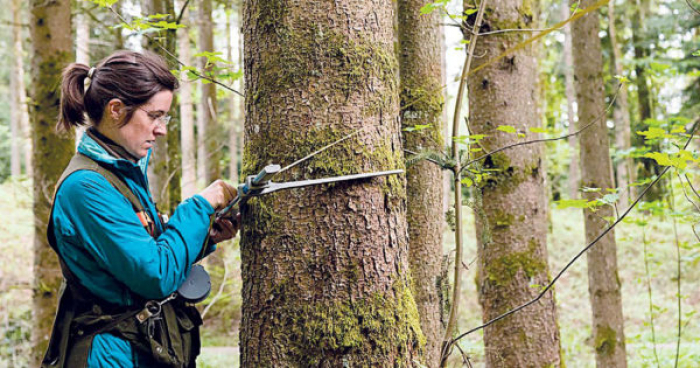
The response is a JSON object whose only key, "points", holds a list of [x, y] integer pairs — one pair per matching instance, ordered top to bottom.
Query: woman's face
{"points": [[139, 134]]}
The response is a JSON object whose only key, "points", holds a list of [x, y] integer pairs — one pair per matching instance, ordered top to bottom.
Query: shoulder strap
{"points": [[82, 162]]}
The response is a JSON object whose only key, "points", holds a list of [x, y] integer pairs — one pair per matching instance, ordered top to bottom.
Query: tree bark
{"points": [[52, 50], [421, 81], [234, 105], [208, 126], [574, 167], [624, 172], [189, 180], [512, 226], [325, 268], [603, 280]]}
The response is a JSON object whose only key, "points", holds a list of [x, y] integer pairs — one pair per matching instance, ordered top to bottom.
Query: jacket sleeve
{"points": [[112, 234]]}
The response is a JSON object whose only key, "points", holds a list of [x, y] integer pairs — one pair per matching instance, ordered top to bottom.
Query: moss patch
{"points": [[502, 270], [368, 331], [605, 340]]}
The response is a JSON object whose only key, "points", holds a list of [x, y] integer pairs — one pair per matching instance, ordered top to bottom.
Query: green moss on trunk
{"points": [[605, 340]]}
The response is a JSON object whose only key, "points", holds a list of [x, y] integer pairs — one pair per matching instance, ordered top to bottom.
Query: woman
{"points": [[122, 262]]}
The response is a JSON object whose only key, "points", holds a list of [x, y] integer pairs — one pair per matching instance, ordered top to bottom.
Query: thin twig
{"points": [[692, 7], [182, 12], [170, 54], [605, 113], [671, 203], [573, 260], [456, 290], [649, 292], [218, 293]]}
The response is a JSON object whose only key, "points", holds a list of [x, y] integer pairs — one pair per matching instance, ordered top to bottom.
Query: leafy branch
{"points": [[576, 258]]}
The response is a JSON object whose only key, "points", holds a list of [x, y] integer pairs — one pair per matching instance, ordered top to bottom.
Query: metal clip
{"points": [[153, 308]]}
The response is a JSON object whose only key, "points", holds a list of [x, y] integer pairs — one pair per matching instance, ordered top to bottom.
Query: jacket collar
{"points": [[92, 146]]}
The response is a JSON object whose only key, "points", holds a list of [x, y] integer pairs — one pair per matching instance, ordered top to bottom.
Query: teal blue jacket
{"points": [[104, 244]]}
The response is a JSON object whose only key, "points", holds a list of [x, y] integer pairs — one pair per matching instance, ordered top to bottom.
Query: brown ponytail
{"points": [[130, 76], [73, 96]]}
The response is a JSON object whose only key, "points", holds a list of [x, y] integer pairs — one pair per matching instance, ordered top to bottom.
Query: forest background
{"points": [[650, 55]]}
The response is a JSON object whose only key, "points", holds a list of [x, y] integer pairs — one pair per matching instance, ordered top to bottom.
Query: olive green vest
{"points": [[171, 337]]}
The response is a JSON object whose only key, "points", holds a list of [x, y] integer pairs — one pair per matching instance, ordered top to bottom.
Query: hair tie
{"points": [[88, 79]]}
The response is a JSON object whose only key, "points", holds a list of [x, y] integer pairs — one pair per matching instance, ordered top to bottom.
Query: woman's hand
{"points": [[219, 194], [224, 228]]}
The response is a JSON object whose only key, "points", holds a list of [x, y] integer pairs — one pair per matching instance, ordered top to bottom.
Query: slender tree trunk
{"points": [[52, 50], [82, 51], [421, 81], [16, 94], [644, 99], [21, 112], [236, 112], [208, 126], [574, 169], [625, 172], [189, 180], [512, 229], [325, 269], [603, 280]]}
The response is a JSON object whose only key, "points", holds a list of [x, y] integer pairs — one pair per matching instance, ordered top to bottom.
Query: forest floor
{"points": [[566, 238]]}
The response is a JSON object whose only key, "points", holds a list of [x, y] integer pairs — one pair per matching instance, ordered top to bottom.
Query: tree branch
{"points": [[576, 258]]}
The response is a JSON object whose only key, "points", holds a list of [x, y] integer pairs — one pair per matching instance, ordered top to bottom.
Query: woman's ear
{"points": [[115, 108]]}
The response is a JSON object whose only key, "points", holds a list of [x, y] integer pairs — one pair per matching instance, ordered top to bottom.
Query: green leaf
{"points": [[104, 3], [430, 7], [470, 11], [696, 53], [659, 67], [622, 78], [507, 129], [538, 130], [654, 133], [467, 182], [573, 203]]}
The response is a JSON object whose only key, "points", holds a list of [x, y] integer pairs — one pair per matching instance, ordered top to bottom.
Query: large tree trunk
{"points": [[52, 50], [421, 81], [208, 125], [574, 168], [624, 172], [189, 180], [512, 233], [325, 269], [603, 281]]}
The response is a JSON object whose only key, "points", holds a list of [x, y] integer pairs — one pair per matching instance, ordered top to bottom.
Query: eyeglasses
{"points": [[160, 116]]}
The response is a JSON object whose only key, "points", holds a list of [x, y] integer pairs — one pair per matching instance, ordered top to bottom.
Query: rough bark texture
{"points": [[52, 50], [421, 80], [209, 125], [574, 167], [624, 171], [189, 180], [512, 228], [325, 269], [603, 281]]}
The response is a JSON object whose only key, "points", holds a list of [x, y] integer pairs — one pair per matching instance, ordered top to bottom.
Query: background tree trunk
{"points": [[233, 32], [52, 50], [82, 51], [421, 82], [16, 94], [644, 100], [208, 125], [166, 157], [574, 167], [624, 172], [189, 180], [512, 234], [325, 269], [603, 281]]}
